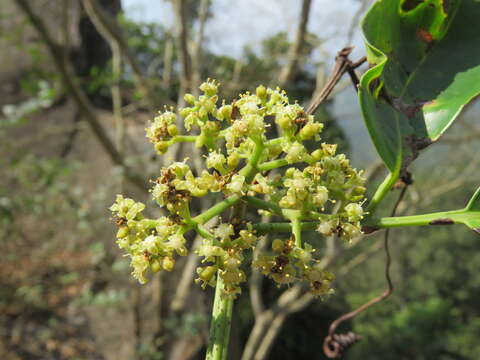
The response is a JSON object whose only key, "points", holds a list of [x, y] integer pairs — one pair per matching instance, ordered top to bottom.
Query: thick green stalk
{"points": [[184, 138], [274, 164], [250, 170], [382, 191], [217, 209], [462, 216], [438, 218], [223, 304], [220, 326]]}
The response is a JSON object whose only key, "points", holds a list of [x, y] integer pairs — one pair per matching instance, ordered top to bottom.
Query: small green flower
{"points": [[236, 184], [126, 208], [354, 212], [140, 265]]}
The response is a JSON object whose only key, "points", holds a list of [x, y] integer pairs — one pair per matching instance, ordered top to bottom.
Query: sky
{"points": [[237, 23]]}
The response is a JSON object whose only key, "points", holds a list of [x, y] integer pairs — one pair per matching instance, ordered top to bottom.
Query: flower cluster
{"points": [[306, 186], [151, 244], [225, 253], [290, 263]]}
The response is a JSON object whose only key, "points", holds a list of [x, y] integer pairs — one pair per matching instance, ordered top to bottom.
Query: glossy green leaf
{"points": [[425, 57]]}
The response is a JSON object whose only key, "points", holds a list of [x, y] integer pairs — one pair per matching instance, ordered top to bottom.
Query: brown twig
{"points": [[100, 22], [108, 28], [182, 44], [196, 50], [294, 54], [167, 63], [342, 65], [353, 77], [77, 93], [333, 345]]}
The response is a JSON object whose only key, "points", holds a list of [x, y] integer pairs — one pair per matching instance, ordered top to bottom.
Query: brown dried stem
{"points": [[108, 28], [342, 65], [64, 67], [288, 71]]}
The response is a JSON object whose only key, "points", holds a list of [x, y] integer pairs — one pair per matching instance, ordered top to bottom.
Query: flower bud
{"points": [[210, 88], [261, 92], [189, 98], [185, 112], [225, 112], [190, 120], [284, 122], [172, 130], [310, 130], [161, 147], [329, 149], [274, 151], [295, 152], [317, 154], [216, 160], [233, 160], [289, 172], [236, 184], [359, 190], [320, 197], [354, 211], [325, 228], [223, 231], [350, 231], [122, 232], [277, 245], [303, 256], [168, 263], [231, 263], [156, 265], [207, 273], [286, 276]]}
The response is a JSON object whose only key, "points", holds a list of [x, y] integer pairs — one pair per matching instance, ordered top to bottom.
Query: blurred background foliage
{"points": [[65, 290]]}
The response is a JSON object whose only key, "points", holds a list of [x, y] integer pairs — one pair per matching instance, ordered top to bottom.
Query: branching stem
{"points": [[382, 191]]}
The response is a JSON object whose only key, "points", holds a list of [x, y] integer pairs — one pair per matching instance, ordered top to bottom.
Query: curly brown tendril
{"points": [[334, 345]]}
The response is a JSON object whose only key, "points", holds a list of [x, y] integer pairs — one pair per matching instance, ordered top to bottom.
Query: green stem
{"points": [[184, 138], [274, 142], [274, 164], [250, 170], [382, 191], [217, 209], [462, 216], [438, 218], [297, 232], [205, 233], [223, 304], [220, 326]]}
